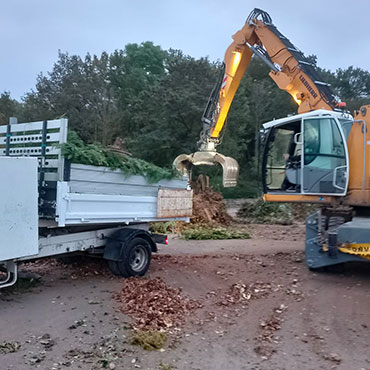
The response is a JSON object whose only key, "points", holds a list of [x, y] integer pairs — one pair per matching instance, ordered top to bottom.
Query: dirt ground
{"points": [[261, 308]]}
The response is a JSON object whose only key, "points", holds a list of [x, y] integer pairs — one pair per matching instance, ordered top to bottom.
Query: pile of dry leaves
{"points": [[153, 304]]}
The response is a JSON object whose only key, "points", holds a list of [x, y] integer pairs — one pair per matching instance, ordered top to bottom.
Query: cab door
{"points": [[324, 157]]}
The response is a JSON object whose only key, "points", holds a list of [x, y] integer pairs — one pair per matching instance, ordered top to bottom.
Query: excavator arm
{"points": [[290, 70]]}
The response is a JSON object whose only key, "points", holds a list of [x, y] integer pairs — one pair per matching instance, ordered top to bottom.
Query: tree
{"points": [[134, 71], [351, 85], [80, 90], [154, 100], [9, 108], [167, 116]]}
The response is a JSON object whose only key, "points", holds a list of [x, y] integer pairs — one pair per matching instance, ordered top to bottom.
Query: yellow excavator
{"points": [[320, 155]]}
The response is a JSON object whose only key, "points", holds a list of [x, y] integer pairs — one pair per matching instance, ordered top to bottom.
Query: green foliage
{"points": [[352, 85], [79, 89], [154, 99], [9, 108], [166, 117], [76, 151], [247, 186], [245, 189], [259, 211], [163, 227], [212, 233], [148, 340], [163, 366]]}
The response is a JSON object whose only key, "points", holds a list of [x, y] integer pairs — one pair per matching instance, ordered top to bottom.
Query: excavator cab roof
{"points": [[315, 113]]}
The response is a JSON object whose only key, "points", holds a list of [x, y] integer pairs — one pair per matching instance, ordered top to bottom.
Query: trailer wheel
{"points": [[137, 255], [113, 267]]}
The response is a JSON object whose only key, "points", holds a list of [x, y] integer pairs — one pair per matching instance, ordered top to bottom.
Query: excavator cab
{"points": [[306, 154]]}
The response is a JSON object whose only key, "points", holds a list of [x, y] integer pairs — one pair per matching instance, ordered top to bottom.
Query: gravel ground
{"points": [[259, 308]]}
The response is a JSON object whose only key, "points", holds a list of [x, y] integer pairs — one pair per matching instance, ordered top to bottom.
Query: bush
{"points": [[248, 184], [246, 188], [259, 211], [163, 227]]}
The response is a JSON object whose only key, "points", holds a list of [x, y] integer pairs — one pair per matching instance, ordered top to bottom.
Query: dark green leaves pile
{"points": [[76, 151], [260, 212], [212, 233]]}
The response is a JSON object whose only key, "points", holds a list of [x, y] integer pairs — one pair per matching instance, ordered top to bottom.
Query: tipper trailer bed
{"points": [[50, 207]]}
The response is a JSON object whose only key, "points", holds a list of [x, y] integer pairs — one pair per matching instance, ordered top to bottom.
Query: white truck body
{"points": [[18, 207], [50, 207]]}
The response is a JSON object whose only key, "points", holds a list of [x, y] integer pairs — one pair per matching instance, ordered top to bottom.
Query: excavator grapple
{"points": [[230, 167]]}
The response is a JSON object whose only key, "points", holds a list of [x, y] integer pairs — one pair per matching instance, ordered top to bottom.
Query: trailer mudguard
{"points": [[114, 248]]}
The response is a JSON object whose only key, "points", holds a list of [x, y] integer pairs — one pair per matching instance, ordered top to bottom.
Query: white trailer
{"points": [[50, 207]]}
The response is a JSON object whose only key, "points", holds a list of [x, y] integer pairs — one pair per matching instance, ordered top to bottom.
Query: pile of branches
{"points": [[76, 151], [208, 205], [210, 219], [154, 305]]}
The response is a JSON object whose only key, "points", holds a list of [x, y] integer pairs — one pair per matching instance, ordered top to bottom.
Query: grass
{"points": [[148, 340], [163, 366]]}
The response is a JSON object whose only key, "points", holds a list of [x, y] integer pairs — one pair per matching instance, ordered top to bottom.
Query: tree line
{"points": [[153, 99]]}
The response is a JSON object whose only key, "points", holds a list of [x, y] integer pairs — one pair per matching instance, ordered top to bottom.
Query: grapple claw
{"points": [[230, 166]]}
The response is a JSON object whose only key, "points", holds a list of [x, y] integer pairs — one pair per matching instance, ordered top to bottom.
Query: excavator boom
{"points": [[290, 70]]}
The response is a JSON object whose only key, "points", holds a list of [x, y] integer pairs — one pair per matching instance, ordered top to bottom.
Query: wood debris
{"points": [[209, 208], [242, 293], [154, 305]]}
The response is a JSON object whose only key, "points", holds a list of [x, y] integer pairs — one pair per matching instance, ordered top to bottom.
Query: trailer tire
{"points": [[136, 259], [113, 267]]}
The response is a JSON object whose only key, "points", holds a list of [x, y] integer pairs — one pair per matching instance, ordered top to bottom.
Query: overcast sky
{"points": [[32, 31]]}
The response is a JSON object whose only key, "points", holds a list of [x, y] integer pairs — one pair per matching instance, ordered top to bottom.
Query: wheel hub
{"points": [[138, 258]]}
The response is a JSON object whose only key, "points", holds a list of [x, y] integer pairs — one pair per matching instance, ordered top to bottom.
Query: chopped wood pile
{"points": [[208, 205]]}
